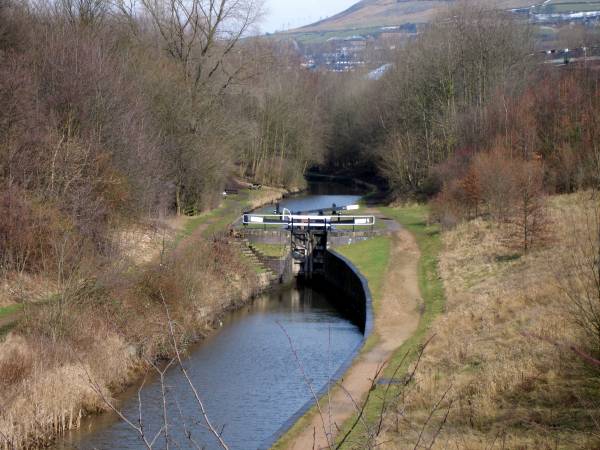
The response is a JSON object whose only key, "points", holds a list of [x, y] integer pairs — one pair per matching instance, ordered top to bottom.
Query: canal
{"points": [[246, 372]]}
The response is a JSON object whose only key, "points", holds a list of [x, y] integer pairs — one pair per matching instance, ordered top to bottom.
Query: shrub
{"points": [[495, 171], [528, 218], [29, 232]]}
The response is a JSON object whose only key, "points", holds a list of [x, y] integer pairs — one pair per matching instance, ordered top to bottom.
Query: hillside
{"points": [[370, 13], [380, 13]]}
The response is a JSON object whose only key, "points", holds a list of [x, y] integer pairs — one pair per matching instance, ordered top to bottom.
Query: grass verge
{"points": [[232, 207], [217, 219], [414, 219], [272, 250], [371, 258], [9, 310], [7, 322], [6, 328]]}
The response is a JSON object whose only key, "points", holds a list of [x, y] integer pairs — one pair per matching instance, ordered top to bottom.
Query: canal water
{"points": [[321, 195], [246, 373]]}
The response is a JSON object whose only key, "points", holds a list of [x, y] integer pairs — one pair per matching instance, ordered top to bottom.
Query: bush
{"points": [[504, 187], [528, 218], [29, 232]]}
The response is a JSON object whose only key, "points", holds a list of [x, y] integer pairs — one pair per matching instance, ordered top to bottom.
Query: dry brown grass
{"points": [[265, 196], [141, 244], [24, 287], [107, 329], [45, 387], [511, 387]]}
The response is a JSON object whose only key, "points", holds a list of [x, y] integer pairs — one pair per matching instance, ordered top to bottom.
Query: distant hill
{"points": [[371, 13], [367, 14], [372, 17]]}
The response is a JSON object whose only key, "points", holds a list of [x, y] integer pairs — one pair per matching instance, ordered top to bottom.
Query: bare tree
{"points": [[87, 13], [4, 28], [200, 34], [199, 37], [437, 97], [289, 112], [401, 163], [529, 221], [137, 425], [367, 432]]}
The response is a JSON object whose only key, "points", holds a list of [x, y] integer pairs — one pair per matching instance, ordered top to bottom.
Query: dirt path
{"points": [[396, 319]]}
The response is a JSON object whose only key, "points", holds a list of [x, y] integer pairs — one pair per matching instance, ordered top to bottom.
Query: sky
{"points": [[286, 14]]}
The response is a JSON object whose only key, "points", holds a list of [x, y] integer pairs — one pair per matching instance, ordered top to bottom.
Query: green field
{"points": [[563, 7], [368, 17], [319, 37]]}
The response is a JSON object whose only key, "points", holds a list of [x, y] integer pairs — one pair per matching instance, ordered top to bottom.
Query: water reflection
{"points": [[319, 197], [246, 373]]}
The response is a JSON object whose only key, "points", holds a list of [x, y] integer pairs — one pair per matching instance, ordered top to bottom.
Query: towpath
{"points": [[396, 319]]}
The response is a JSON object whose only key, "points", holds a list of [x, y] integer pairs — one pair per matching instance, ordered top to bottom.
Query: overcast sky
{"points": [[286, 14]]}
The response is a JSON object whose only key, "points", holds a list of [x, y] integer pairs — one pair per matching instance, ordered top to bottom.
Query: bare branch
{"points": [[308, 384], [199, 401]]}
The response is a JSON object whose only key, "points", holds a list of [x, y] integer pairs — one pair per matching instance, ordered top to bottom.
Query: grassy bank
{"points": [[228, 212], [415, 219], [272, 250], [371, 258], [10, 310], [8, 317], [107, 325], [497, 373]]}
